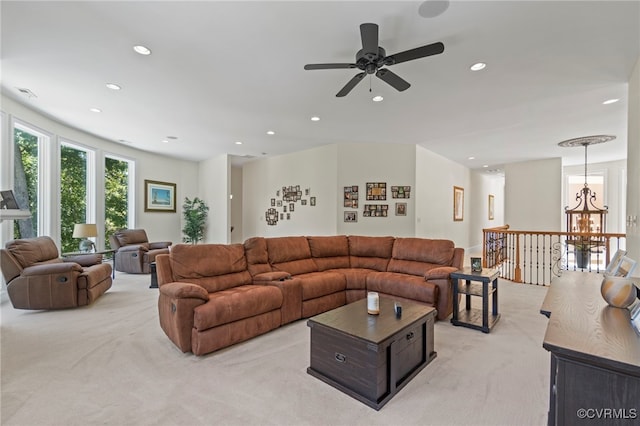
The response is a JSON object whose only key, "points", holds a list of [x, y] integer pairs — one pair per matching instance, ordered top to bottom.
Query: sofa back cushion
{"points": [[125, 237], [255, 250], [32, 251], [329, 252], [370, 252], [290, 254], [415, 256], [214, 267]]}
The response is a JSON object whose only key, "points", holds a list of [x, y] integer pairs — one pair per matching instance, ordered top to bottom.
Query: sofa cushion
{"points": [[127, 237], [255, 250], [33, 251], [330, 252], [370, 252], [438, 252], [291, 254], [215, 267], [356, 277], [318, 284], [402, 285], [236, 303]]}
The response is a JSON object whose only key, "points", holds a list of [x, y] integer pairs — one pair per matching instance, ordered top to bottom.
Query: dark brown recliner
{"points": [[134, 253], [37, 278]]}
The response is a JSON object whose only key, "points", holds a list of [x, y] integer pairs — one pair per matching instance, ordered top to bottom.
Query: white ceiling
{"points": [[222, 72]]}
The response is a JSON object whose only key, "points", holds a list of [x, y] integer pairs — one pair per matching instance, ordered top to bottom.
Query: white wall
{"points": [[392, 164], [633, 164], [314, 169], [614, 173], [435, 178], [483, 185], [215, 187], [533, 195], [235, 219], [159, 226]]}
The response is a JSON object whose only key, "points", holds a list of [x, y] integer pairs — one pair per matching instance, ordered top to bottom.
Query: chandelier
{"points": [[586, 217]]}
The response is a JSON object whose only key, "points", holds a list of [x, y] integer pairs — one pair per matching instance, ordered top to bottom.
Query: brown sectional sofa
{"points": [[216, 295]]}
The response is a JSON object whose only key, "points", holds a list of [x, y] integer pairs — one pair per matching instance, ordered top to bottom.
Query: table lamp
{"points": [[84, 231]]}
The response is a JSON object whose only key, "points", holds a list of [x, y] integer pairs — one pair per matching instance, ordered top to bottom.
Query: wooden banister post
{"points": [[517, 272]]}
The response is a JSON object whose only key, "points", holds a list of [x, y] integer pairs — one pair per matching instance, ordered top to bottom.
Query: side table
{"points": [[154, 275], [470, 317]]}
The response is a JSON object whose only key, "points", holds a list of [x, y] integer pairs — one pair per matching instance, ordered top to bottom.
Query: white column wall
{"points": [[633, 165], [215, 183]]}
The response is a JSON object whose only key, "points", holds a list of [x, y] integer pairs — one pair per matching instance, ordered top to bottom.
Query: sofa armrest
{"points": [[159, 245], [132, 247], [84, 259], [51, 268], [442, 272], [272, 276], [178, 290], [291, 309]]}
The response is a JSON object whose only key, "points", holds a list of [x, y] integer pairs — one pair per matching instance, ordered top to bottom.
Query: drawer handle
{"points": [[410, 336], [341, 358]]}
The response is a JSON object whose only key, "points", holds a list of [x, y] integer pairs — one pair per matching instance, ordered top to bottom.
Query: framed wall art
{"points": [[376, 191], [401, 191], [159, 196], [351, 196], [491, 203], [458, 204], [401, 209], [375, 210], [350, 216]]}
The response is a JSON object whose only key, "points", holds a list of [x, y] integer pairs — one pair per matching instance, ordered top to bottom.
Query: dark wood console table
{"points": [[595, 355]]}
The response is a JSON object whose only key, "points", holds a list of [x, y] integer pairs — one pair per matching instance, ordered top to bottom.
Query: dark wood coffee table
{"points": [[371, 357]]}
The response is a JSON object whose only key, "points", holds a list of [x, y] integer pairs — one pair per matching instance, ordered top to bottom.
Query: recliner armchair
{"points": [[134, 253], [37, 278]]}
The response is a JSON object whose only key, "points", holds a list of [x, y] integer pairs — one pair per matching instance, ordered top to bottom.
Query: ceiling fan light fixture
{"points": [[142, 50], [478, 66], [377, 98]]}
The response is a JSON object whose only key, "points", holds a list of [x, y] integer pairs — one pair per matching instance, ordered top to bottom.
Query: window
{"points": [[28, 147], [118, 178], [76, 182]]}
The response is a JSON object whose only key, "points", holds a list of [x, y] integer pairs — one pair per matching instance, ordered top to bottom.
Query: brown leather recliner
{"points": [[134, 253], [37, 278]]}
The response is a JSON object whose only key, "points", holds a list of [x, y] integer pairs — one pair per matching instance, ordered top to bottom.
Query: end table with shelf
{"points": [[478, 319]]}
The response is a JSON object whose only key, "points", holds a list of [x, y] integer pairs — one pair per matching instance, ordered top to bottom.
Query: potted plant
{"points": [[195, 219], [582, 251]]}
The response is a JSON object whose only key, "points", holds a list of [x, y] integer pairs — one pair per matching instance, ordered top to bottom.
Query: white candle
{"points": [[373, 303]]}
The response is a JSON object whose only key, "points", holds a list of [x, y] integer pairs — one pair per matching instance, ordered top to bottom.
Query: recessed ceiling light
{"points": [[142, 50], [478, 66], [113, 86], [377, 98], [610, 101], [95, 110], [315, 118], [271, 132], [165, 141], [238, 143], [472, 158], [485, 166]]}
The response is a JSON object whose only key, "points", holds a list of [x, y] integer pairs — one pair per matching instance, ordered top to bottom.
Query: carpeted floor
{"points": [[111, 364]]}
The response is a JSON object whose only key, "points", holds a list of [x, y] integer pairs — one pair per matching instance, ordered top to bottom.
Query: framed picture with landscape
{"points": [[159, 196]]}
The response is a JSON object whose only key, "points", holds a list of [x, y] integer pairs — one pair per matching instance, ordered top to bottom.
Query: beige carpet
{"points": [[111, 364]]}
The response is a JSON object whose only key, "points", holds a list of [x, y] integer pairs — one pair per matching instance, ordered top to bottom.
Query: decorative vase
{"points": [[619, 292]]}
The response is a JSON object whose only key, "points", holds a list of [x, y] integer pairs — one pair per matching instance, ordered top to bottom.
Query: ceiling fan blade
{"points": [[369, 35], [417, 53], [328, 66], [392, 79], [351, 84]]}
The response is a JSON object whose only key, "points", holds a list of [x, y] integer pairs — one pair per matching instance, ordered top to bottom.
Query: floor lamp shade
{"points": [[84, 231]]}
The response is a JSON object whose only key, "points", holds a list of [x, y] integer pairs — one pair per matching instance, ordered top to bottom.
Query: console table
{"points": [[476, 318], [595, 355]]}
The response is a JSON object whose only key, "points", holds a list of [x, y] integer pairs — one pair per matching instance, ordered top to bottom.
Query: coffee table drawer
{"points": [[410, 350], [353, 363]]}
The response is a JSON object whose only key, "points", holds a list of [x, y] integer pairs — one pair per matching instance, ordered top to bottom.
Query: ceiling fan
{"points": [[372, 58]]}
